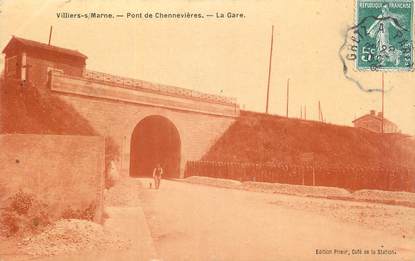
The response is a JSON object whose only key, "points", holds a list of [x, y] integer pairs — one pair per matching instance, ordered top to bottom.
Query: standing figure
{"points": [[380, 30], [157, 173]]}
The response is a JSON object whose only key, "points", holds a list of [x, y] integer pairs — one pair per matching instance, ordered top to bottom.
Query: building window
{"points": [[11, 66]]}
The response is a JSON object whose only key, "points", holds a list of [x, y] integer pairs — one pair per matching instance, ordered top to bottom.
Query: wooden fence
{"points": [[352, 177]]}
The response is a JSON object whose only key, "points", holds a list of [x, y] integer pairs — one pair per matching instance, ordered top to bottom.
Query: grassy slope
{"points": [[34, 109], [256, 137]]}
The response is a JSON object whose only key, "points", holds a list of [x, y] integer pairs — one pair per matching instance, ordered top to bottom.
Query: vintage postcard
{"points": [[207, 130]]}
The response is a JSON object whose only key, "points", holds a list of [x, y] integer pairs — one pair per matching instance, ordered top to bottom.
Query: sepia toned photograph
{"points": [[207, 130]]}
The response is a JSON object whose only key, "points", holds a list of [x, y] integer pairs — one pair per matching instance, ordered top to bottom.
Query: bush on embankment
{"points": [[25, 213]]}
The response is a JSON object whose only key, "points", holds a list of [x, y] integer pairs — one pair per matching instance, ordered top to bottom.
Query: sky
{"points": [[224, 56]]}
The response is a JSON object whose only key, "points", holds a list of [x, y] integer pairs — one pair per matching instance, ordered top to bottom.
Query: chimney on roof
{"points": [[372, 112], [380, 114]]}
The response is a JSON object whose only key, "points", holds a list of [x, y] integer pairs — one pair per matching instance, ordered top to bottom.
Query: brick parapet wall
{"points": [[135, 84], [146, 94]]}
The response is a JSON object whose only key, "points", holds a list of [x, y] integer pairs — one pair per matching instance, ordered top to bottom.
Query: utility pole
{"points": [[50, 34], [269, 68], [288, 95], [383, 101], [301, 112], [305, 112], [320, 112]]}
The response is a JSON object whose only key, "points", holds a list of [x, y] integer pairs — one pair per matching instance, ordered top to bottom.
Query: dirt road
{"points": [[196, 222]]}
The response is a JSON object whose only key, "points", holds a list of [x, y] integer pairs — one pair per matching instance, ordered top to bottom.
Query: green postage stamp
{"points": [[384, 33]]}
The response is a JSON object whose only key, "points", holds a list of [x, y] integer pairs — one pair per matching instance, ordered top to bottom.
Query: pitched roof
{"points": [[34, 44], [373, 117]]}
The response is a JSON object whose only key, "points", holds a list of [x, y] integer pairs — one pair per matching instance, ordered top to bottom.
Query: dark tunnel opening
{"points": [[155, 140]]}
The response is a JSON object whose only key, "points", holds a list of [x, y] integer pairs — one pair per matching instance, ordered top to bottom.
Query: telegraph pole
{"points": [[50, 34], [269, 68], [288, 95], [383, 101], [305, 112], [320, 112]]}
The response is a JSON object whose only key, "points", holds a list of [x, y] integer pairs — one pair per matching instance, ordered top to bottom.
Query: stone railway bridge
{"points": [[150, 123]]}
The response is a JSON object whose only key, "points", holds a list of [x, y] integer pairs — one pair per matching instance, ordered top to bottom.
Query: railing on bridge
{"points": [[165, 89], [352, 177]]}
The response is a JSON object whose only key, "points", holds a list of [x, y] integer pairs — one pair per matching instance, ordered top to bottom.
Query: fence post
{"points": [[302, 174], [388, 181]]}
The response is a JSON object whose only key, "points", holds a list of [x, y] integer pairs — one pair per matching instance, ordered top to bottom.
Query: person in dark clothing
{"points": [[157, 174]]}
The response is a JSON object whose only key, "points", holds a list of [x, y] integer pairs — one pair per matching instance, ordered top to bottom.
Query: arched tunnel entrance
{"points": [[155, 140]]}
